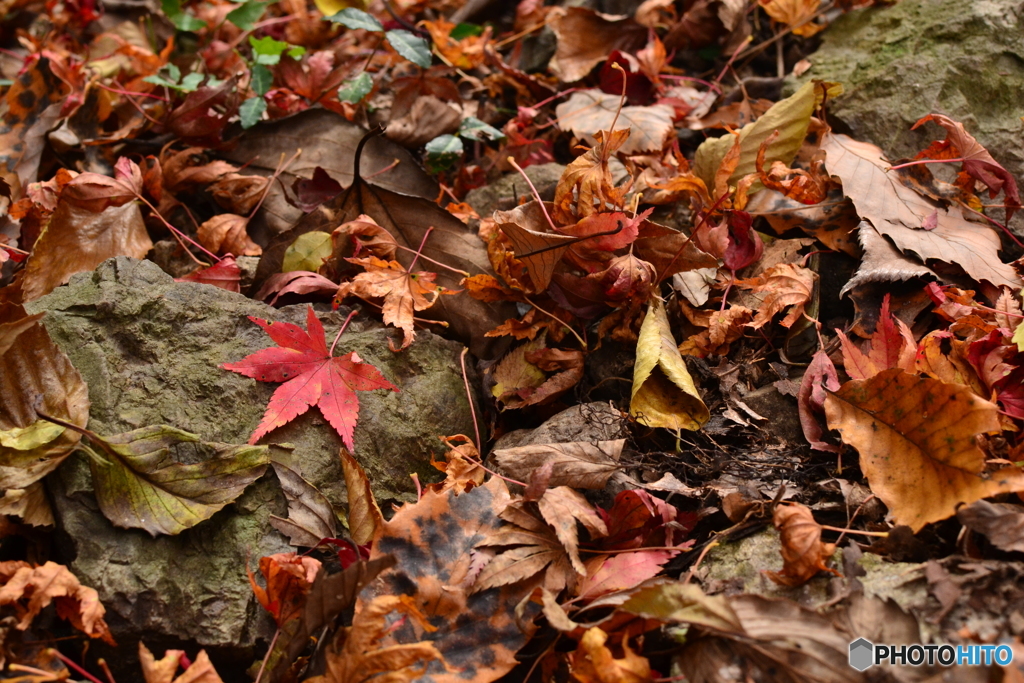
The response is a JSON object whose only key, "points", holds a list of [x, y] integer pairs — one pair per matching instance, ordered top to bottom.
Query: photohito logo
{"points": [[864, 654]]}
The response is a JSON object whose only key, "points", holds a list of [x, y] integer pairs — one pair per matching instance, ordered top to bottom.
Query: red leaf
{"points": [[745, 245], [225, 274], [820, 375], [311, 377]]}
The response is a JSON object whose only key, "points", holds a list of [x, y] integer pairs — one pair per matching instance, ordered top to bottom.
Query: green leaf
{"points": [[247, 14], [356, 18], [181, 19], [465, 31], [410, 46], [267, 50], [296, 51], [261, 79], [190, 82], [355, 90], [251, 111], [790, 117], [473, 128], [442, 152], [308, 252], [1018, 336], [140, 485]]}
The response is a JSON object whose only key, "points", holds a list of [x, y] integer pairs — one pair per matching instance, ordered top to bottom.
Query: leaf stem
{"points": [[918, 162], [536, 195], [423, 243], [436, 263], [583, 344], [330, 354], [469, 396], [879, 534], [70, 662], [263, 664]]}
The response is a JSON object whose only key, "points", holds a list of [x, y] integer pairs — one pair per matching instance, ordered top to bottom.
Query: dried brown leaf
{"points": [[585, 38], [226, 233], [580, 464], [311, 517], [365, 520], [1002, 524], [803, 553], [30, 588]]}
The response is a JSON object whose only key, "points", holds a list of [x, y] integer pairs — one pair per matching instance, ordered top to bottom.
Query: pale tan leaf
{"points": [[588, 111], [901, 214], [917, 443], [580, 464], [30, 504], [561, 507], [310, 515], [30, 588]]}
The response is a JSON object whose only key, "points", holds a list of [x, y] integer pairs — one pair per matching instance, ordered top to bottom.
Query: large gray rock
{"points": [[962, 59], [149, 349]]}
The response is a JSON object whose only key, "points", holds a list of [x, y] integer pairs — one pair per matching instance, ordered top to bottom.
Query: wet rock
{"points": [[149, 349]]}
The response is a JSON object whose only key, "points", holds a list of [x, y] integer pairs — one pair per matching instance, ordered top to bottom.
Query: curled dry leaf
{"points": [[585, 38], [588, 111], [428, 118], [900, 213], [226, 233], [224, 274], [295, 282], [783, 285], [32, 366], [820, 375], [664, 394], [917, 442], [581, 464], [30, 504], [311, 517], [365, 520], [1002, 524], [803, 553], [289, 578], [28, 589], [593, 661], [163, 670]]}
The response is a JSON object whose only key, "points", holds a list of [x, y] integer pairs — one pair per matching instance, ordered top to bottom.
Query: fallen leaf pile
{"points": [[692, 311]]}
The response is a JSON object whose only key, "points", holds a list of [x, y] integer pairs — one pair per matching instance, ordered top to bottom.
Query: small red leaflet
{"points": [[311, 377]]}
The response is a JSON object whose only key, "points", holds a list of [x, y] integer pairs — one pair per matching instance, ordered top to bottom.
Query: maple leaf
{"points": [[783, 285], [403, 292], [310, 375], [29, 589], [162, 670]]}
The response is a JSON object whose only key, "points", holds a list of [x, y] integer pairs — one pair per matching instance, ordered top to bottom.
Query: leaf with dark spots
{"points": [[31, 107], [434, 544]]}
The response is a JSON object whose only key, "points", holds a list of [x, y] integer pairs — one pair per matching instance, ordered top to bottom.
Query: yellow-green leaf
{"points": [[331, 7], [791, 117], [308, 252], [1018, 336], [664, 394], [36, 434]]}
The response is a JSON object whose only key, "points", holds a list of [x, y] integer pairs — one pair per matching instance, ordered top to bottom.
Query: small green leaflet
{"points": [[247, 14], [177, 16], [356, 18], [465, 31], [410, 46], [268, 51], [261, 79], [187, 84], [355, 90], [251, 111], [473, 128], [442, 152]]}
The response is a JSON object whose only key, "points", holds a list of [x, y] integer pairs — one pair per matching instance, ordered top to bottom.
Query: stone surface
{"points": [[897, 64], [502, 193], [149, 349], [584, 422]]}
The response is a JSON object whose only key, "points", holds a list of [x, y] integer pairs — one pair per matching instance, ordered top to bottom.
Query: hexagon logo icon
{"points": [[862, 654]]}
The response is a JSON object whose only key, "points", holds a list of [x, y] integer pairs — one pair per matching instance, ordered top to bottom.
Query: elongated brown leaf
{"points": [[901, 214], [34, 373], [916, 439], [310, 515], [364, 518]]}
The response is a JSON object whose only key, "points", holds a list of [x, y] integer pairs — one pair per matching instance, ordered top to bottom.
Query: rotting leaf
{"points": [[310, 377], [663, 394], [916, 439], [434, 542]]}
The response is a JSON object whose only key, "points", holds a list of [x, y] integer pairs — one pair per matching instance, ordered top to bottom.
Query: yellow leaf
{"points": [[331, 7], [791, 117], [308, 252], [1018, 336], [664, 394], [36, 434], [916, 439]]}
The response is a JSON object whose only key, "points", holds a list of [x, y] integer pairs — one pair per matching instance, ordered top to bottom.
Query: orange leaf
{"points": [[784, 285], [403, 292], [917, 443], [364, 517], [803, 553], [289, 578], [31, 588], [593, 662], [162, 670]]}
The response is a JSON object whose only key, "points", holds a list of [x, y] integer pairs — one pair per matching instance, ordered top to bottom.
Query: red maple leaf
{"points": [[311, 377]]}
